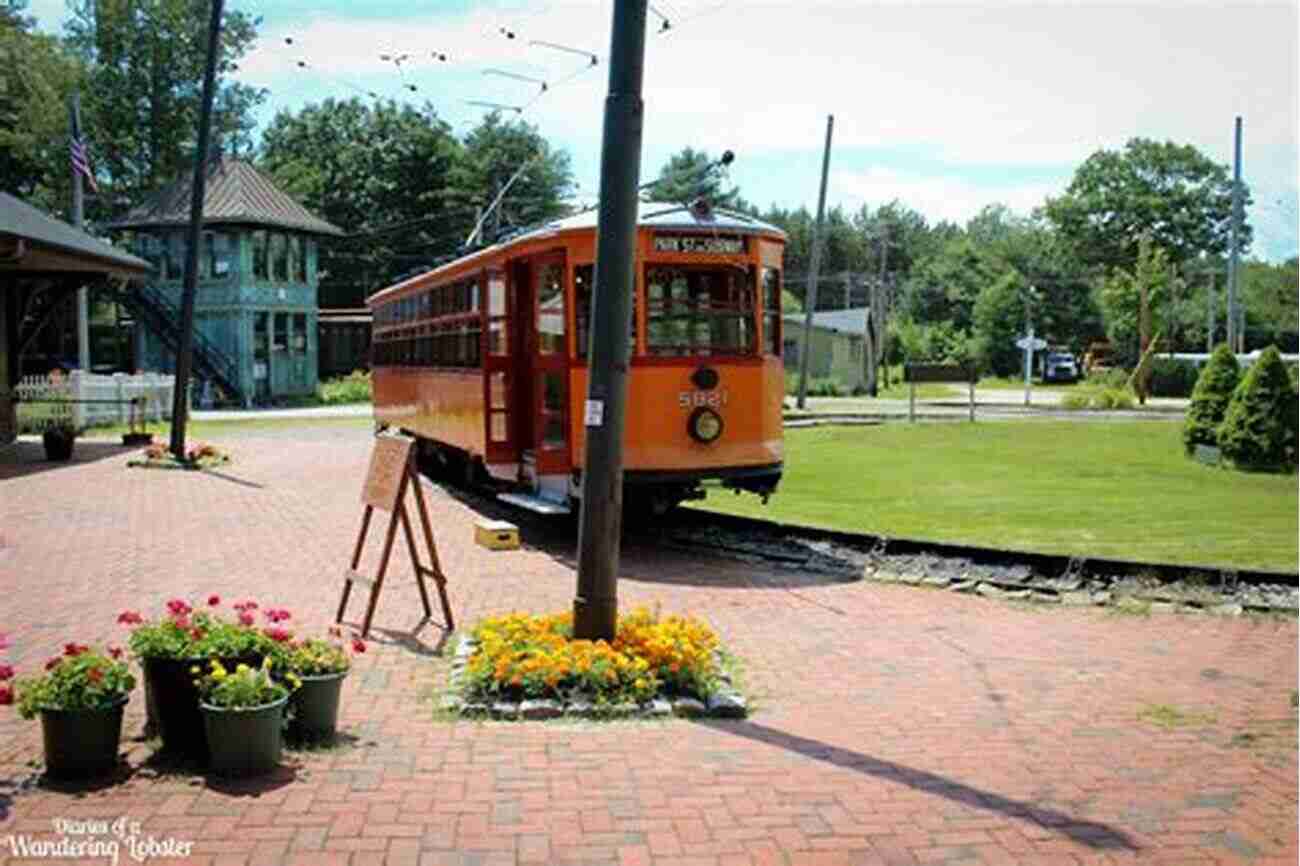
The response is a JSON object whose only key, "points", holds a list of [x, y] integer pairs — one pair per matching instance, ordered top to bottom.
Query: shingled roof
{"points": [[235, 194], [20, 220]]}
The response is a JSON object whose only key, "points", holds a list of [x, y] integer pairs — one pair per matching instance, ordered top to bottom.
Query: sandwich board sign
{"points": [[391, 474]]}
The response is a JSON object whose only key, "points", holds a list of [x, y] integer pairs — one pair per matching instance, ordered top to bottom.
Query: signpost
{"points": [[1030, 343], [913, 373]]}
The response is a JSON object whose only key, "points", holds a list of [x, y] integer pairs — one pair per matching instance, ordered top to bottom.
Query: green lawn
{"points": [[198, 430], [1099, 489]]}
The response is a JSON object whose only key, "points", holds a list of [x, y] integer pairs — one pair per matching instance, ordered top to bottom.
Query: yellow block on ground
{"points": [[496, 535]]}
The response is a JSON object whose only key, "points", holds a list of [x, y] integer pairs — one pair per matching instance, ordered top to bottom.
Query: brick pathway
{"points": [[893, 725]]}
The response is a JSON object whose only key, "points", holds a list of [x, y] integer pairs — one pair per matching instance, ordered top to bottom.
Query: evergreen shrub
{"points": [[1172, 378], [1210, 399], [1259, 429]]}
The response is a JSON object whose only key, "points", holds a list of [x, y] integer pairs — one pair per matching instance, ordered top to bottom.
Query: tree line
{"points": [[408, 192]]}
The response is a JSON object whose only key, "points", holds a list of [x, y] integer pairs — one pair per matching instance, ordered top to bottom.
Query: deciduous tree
{"points": [[1171, 192]]}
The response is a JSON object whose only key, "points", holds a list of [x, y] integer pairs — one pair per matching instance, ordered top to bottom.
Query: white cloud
{"points": [[948, 197]]}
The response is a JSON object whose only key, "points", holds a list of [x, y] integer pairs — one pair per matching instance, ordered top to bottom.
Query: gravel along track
{"points": [[989, 572]]}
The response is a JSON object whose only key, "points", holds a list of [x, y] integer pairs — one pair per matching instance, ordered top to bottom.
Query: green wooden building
{"points": [[255, 310]]}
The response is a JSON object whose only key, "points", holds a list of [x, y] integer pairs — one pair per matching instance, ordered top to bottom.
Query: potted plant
{"points": [[58, 438], [184, 638], [320, 666], [79, 699], [243, 716]]}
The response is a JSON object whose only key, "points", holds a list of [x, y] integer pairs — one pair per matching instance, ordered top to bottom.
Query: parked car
{"points": [[1060, 367]]}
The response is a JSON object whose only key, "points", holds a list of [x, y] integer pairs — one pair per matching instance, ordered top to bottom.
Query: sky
{"points": [[945, 106]]}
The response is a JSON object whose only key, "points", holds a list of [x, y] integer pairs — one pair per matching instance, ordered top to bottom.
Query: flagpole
{"points": [[78, 218]]}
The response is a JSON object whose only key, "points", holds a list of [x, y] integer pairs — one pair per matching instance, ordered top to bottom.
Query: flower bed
{"points": [[198, 456], [522, 665]]}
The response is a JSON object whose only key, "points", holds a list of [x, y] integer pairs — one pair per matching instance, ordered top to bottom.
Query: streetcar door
{"points": [[550, 367], [519, 398]]}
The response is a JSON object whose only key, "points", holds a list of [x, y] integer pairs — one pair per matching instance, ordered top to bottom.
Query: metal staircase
{"points": [[159, 314]]}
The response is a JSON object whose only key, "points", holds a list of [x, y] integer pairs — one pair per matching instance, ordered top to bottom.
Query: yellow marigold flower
{"points": [[194, 669], [243, 669]]}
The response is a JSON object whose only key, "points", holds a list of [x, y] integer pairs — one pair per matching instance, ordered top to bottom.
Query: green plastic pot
{"points": [[172, 703], [316, 706], [244, 741], [81, 743]]}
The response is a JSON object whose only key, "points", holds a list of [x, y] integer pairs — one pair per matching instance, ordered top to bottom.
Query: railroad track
{"points": [[992, 572]]}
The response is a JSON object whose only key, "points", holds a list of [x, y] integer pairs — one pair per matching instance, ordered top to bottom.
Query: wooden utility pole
{"points": [[78, 218], [810, 302], [869, 339], [1235, 341], [184, 353], [595, 607]]}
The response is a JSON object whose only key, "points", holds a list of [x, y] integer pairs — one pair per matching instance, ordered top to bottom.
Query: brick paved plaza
{"points": [[891, 724]]}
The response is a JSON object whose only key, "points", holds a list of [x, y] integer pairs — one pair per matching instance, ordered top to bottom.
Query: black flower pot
{"points": [[58, 444], [172, 702], [316, 706], [244, 741], [82, 743]]}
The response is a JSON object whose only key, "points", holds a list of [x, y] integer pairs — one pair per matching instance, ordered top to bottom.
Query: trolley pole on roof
{"points": [[810, 302], [184, 352], [595, 607]]}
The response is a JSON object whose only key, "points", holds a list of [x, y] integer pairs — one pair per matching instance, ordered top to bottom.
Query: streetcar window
{"points": [[584, 279], [496, 295], [550, 309], [772, 310], [699, 311]]}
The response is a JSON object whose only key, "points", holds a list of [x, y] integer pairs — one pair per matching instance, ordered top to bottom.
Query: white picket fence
{"points": [[93, 399]]}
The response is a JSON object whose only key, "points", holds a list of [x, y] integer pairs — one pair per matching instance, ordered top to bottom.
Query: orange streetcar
{"points": [[484, 359]]}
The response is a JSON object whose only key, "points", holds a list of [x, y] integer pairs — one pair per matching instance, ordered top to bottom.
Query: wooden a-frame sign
{"points": [[392, 471]]}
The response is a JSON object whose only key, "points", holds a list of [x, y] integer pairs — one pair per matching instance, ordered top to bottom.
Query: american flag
{"points": [[80, 164]]}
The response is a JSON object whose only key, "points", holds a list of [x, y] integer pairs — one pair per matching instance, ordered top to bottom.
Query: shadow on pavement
{"points": [[27, 457], [1090, 833]]}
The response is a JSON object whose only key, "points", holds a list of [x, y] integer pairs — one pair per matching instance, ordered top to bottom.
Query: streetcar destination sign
{"points": [[698, 244]]}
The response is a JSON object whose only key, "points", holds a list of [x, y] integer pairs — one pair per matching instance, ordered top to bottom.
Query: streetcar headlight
{"points": [[704, 425]]}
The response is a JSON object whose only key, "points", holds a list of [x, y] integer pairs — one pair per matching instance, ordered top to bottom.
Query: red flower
{"points": [[214, 600], [245, 606], [176, 607], [276, 614], [129, 617], [246, 618], [181, 621], [196, 633], [276, 633], [4, 641], [358, 645], [74, 649], [115, 652], [53, 663], [6, 673], [94, 675], [6, 695]]}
